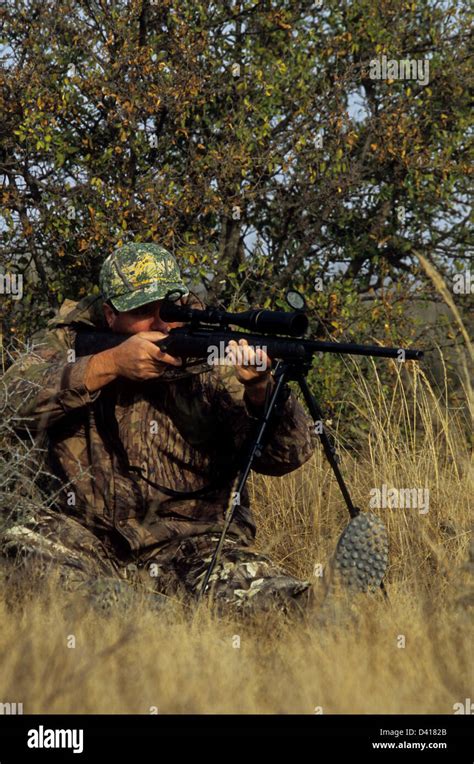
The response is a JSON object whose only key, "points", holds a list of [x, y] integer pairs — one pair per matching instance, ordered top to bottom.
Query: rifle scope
{"points": [[269, 321]]}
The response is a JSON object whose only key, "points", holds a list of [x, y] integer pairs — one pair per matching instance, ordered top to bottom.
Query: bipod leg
{"points": [[328, 446], [255, 451], [362, 551]]}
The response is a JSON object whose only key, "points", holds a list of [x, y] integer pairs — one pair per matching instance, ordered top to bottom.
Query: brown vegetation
{"points": [[347, 659]]}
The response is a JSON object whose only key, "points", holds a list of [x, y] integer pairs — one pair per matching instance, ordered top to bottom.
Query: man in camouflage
{"points": [[127, 432]]}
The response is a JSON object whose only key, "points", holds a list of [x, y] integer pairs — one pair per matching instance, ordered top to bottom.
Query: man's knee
{"points": [[47, 541], [242, 580]]}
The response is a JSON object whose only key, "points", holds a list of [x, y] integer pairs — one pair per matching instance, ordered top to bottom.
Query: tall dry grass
{"points": [[189, 661]]}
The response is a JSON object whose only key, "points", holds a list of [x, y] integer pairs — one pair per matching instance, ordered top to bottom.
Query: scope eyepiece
{"points": [[170, 311]]}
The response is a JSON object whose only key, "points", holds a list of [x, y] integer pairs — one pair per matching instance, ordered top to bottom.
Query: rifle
{"points": [[209, 328], [279, 333]]}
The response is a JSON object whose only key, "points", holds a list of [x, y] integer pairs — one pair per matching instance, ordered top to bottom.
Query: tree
{"points": [[250, 138]]}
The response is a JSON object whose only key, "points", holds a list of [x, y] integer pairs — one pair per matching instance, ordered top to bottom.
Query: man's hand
{"points": [[138, 358], [255, 370]]}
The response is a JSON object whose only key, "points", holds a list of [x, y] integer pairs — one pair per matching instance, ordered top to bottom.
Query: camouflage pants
{"points": [[243, 580]]}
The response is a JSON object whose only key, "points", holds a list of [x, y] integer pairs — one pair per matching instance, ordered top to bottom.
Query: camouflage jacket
{"points": [[185, 431]]}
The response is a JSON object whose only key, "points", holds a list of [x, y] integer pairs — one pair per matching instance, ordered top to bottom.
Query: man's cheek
{"points": [[135, 325]]}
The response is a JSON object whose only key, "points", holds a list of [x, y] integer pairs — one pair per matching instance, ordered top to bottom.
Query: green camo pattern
{"points": [[136, 274]]}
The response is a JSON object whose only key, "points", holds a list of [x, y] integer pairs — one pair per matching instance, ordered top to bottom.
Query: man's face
{"points": [[143, 319]]}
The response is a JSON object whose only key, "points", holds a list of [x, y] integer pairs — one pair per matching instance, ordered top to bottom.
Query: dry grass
{"points": [[187, 662]]}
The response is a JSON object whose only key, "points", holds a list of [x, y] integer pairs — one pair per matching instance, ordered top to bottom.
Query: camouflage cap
{"points": [[136, 274]]}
